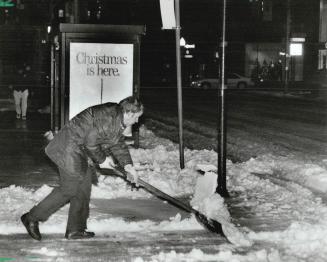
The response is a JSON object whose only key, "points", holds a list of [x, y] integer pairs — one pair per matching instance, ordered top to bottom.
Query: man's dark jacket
{"points": [[96, 132]]}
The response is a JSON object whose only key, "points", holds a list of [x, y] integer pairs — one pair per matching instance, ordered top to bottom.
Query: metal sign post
{"points": [[171, 20], [221, 187]]}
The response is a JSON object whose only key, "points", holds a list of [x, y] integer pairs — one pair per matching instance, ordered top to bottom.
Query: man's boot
{"points": [[31, 227], [79, 234]]}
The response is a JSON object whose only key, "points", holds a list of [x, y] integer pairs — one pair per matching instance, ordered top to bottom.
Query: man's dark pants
{"points": [[72, 190]]}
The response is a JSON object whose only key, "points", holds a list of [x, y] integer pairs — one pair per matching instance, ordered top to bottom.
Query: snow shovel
{"points": [[208, 223]]}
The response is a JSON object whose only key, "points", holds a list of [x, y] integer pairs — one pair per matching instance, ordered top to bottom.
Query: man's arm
{"points": [[119, 152], [96, 153]]}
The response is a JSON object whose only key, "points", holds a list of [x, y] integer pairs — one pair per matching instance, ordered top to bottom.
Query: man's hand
{"points": [[108, 163], [132, 175]]}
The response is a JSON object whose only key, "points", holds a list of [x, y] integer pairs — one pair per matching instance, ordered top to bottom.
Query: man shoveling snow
{"points": [[87, 139]]}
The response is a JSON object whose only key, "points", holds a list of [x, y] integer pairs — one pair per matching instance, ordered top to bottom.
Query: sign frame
{"points": [[87, 33]]}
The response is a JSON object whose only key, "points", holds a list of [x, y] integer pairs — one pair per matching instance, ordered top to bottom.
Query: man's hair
{"points": [[131, 104]]}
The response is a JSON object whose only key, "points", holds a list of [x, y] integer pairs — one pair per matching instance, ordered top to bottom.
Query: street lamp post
{"points": [[221, 150]]}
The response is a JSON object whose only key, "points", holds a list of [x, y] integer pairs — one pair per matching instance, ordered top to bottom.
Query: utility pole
{"points": [[287, 46], [179, 85]]}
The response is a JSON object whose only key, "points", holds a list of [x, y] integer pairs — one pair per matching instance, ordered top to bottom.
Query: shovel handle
{"points": [[155, 191]]}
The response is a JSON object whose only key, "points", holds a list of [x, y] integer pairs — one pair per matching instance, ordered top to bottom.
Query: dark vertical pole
{"points": [[76, 11], [287, 45], [257, 76], [52, 83], [179, 86], [136, 87], [101, 92], [64, 93], [57, 95], [221, 188]]}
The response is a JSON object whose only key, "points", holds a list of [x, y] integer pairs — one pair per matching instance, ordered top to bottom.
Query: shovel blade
{"points": [[210, 224]]}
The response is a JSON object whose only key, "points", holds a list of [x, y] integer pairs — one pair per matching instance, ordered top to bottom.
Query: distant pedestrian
{"points": [[279, 70], [20, 91], [87, 140]]}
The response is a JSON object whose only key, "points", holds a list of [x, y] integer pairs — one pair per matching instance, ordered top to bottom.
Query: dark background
{"points": [[24, 36]]}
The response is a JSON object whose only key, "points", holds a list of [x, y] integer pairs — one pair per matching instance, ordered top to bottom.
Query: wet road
{"points": [[285, 123]]}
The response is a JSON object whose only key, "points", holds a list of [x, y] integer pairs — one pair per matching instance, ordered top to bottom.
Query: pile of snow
{"points": [[212, 205]]}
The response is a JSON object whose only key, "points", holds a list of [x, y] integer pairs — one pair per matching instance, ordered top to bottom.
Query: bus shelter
{"points": [[93, 64]]}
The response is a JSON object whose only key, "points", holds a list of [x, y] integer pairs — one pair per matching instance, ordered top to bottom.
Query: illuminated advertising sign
{"points": [[296, 49], [99, 73]]}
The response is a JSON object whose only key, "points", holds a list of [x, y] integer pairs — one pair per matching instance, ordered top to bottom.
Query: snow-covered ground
{"points": [[284, 191]]}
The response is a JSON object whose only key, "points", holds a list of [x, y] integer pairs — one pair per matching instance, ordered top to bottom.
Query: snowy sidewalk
{"points": [[274, 202]]}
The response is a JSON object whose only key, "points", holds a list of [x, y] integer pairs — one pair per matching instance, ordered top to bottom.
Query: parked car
{"points": [[233, 80]]}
